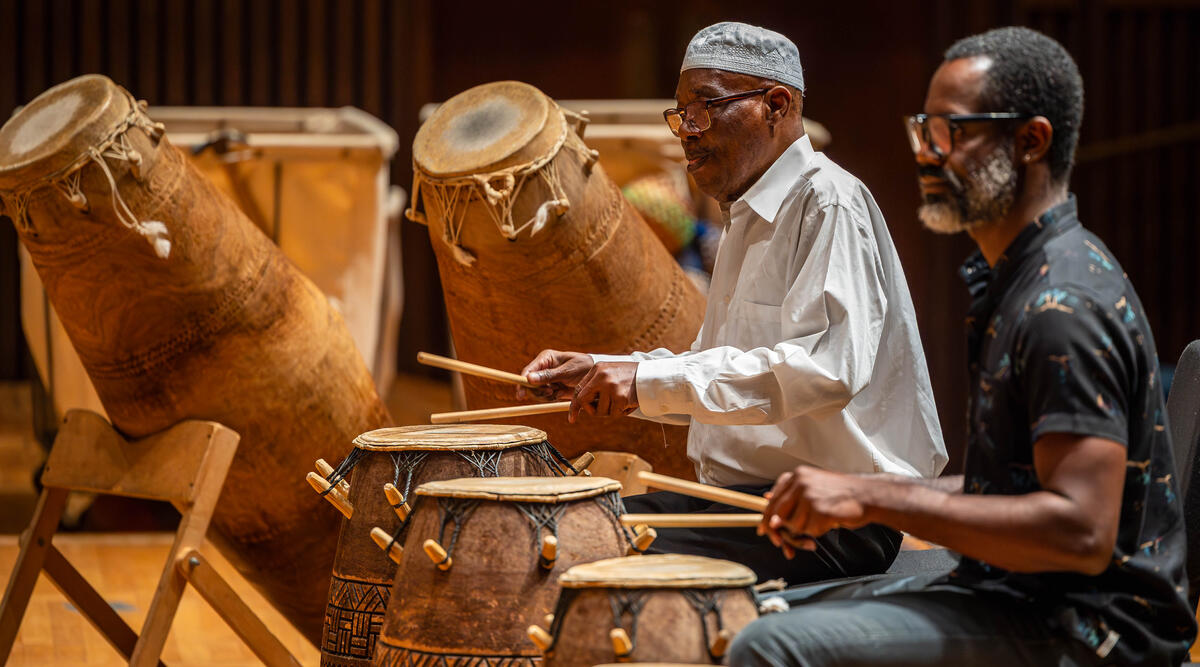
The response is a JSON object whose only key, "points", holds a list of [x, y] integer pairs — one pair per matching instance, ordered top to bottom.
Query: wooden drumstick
{"points": [[472, 369], [498, 413], [326, 470], [321, 485], [697, 490], [396, 500], [693, 520], [643, 537], [385, 542], [549, 551], [437, 554], [539, 637], [622, 645]]}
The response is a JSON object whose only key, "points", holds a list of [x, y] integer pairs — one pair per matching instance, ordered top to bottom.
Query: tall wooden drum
{"points": [[538, 249], [181, 308], [383, 468], [481, 562], [668, 608]]}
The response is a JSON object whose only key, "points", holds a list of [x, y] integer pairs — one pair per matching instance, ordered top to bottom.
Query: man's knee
{"points": [[765, 642]]}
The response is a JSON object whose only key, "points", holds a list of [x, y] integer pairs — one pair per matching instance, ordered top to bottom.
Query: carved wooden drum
{"points": [[538, 249], [179, 307], [384, 467], [481, 562], [657, 608]]}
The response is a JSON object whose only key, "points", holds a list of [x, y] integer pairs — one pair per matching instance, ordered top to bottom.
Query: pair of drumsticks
{"points": [[491, 374]]}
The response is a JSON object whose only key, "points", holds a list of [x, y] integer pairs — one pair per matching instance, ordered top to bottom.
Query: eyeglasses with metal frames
{"points": [[697, 111], [937, 131]]}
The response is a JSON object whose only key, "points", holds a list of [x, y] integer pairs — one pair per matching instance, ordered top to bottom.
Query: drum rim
{"points": [[102, 118], [497, 436], [595, 486], [724, 574]]}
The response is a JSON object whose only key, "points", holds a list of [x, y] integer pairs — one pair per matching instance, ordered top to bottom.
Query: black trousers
{"points": [[840, 553]]}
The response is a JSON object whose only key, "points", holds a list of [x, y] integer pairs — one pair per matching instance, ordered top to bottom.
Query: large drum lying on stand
{"points": [[538, 249], [179, 307]]}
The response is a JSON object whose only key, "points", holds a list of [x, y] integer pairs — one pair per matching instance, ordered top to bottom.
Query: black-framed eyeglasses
{"points": [[697, 112], [937, 131]]}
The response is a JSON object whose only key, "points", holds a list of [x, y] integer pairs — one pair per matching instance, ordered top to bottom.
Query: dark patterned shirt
{"points": [[1058, 343]]}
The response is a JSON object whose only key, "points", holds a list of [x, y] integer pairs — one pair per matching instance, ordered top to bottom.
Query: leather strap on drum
{"points": [[499, 190]]}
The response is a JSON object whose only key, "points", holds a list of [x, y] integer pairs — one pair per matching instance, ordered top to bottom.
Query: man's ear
{"points": [[780, 103], [1033, 139]]}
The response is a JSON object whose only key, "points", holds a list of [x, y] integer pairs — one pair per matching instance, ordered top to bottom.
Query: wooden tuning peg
{"points": [[581, 464], [326, 470], [321, 485], [396, 500], [643, 537], [385, 542], [549, 551], [437, 554], [548, 620], [540, 637], [721, 643], [622, 644]]}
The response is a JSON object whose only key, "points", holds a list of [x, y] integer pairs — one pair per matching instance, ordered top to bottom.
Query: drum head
{"points": [[58, 127], [481, 128], [441, 437], [521, 489], [659, 571]]}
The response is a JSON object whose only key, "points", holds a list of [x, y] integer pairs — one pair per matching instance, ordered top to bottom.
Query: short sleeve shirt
{"points": [[1058, 343]]}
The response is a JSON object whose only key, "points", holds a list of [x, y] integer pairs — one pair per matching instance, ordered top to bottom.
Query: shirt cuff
{"points": [[598, 358], [661, 387]]}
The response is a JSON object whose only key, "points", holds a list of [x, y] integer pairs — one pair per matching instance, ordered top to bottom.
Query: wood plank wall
{"points": [[867, 63]]}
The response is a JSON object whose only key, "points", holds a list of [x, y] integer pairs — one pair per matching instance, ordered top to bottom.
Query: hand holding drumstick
{"points": [[605, 389]]}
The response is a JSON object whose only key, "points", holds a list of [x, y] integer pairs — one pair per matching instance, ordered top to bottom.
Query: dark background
{"points": [[867, 62]]}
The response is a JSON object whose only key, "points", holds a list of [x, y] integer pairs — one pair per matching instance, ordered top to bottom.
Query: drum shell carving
{"points": [[595, 279], [223, 328], [363, 573], [495, 588], [668, 627]]}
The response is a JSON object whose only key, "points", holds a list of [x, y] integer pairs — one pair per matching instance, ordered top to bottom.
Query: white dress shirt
{"points": [[809, 351]]}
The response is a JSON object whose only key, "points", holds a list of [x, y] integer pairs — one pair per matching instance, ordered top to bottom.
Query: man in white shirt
{"points": [[809, 352]]}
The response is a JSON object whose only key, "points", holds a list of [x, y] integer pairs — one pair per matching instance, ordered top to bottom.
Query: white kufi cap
{"points": [[745, 49]]}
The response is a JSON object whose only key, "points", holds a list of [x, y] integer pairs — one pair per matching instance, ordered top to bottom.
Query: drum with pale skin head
{"points": [[537, 249], [180, 308], [406, 457], [481, 563], [668, 608]]}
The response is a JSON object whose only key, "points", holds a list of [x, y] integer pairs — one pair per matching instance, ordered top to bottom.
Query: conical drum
{"points": [[537, 248], [180, 308]]}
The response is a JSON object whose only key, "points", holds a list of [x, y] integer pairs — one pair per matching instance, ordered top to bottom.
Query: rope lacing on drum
{"points": [[116, 145], [499, 190], [550, 455], [485, 461], [407, 463], [343, 469], [612, 503], [456, 510], [542, 515], [626, 602], [706, 602]]}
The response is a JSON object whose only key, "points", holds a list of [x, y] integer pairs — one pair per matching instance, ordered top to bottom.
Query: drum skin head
{"points": [[58, 127], [480, 127], [442, 437], [521, 489], [659, 571]]}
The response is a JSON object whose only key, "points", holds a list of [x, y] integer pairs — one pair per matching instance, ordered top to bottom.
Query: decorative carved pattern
{"points": [[353, 619], [395, 656]]}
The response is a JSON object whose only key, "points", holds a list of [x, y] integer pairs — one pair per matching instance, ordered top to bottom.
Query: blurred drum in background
{"points": [[537, 248], [179, 307], [382, 470], [481, 562]]}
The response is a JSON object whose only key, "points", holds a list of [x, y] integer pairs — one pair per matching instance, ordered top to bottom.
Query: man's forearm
{"points": [[947, 483], [1036, 532]]}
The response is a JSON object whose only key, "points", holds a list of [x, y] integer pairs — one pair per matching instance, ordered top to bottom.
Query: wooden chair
{"points": [[185, 465]]}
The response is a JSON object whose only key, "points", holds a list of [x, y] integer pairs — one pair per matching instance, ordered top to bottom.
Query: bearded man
{"points": [[809, 352], [1067, 517]]}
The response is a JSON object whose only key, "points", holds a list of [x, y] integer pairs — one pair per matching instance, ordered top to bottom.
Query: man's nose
{"points": [[688, 132]]}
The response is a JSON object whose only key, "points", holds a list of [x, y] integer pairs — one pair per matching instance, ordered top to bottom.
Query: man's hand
{"points": [[556, 374], [608, 390], [809, 502]]}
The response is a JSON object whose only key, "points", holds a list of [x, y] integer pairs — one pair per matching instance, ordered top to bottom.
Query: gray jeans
{"points": [[903, 621]]}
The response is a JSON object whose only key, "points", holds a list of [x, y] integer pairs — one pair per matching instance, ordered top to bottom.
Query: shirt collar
{"points": [[768, 192]]}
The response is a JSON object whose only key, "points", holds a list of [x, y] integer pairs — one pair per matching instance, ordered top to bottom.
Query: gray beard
{"points": [[987, 194]]}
